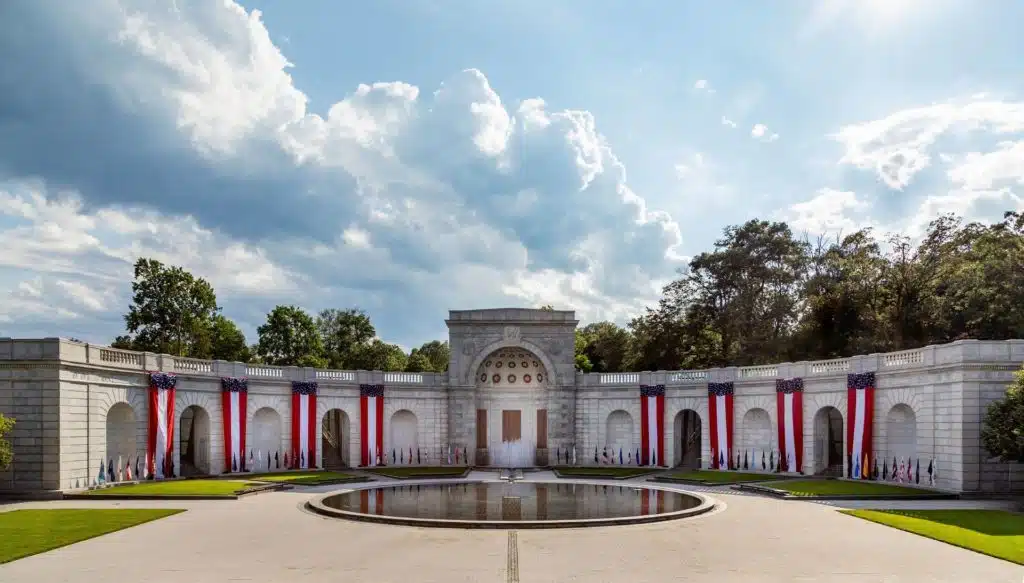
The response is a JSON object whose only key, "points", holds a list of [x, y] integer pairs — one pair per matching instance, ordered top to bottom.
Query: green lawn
{"points": [[613, 471], [417, 472], [721, 476], [311, 477], [224, 488], [843, 488], [29, 532], [991, 532]]}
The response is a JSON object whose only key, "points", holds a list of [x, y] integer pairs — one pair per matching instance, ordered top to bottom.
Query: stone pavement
{"points": [[270, 538]]}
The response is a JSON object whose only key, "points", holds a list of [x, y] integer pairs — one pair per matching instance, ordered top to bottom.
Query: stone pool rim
{"points": [[317, 506]]}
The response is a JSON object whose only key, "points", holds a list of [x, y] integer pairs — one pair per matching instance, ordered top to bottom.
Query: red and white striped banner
{"points": [[720, 397], [789, 400], [234, 403], [860, 411], [304, 424], [371, 424], [652, 425], [160, 442], [371, 501], [652, 501]]}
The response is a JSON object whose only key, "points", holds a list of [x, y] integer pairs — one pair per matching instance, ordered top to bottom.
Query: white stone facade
{"points": [[78, 404]]}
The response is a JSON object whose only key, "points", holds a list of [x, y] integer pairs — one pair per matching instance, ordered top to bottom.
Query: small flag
{"points": [[595, 454], [410, 455], [418, 456], [456, 456], [620, 456], [638, 456], [251, 458], [629, 458], [655, 458], [302, 459], [771, 459], [277, 460], [286, 460], [721, 461], [746, 464], [764, 464], [865, 468], [894, 468], [885, 469], [110, 470], [128, 471], [917, 472], [931, 473], [874, 474], [102, 478]]}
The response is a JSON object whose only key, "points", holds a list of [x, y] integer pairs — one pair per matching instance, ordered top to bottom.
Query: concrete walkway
{"points": [[270, 538]]}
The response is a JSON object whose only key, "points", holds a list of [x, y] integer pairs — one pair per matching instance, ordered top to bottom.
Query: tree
{"points": [[547, 308], [171, 309], [343, 333], [290, 338], [226, 341], [606, 346], [437, 353], [379, 355], [417, 362], [582, 362], [1003, 431], [6, 450]]}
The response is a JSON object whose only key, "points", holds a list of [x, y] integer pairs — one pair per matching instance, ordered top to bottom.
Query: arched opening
{"points": [[511, 416], [901, 432], [404, 437], [756, 438], [122, 440], [266, 440], [334, 440], [194, 442], [828, 442], [687, 443], [619, 446]]}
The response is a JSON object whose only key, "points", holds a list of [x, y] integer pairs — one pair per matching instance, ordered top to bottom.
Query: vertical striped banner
{"points": [[789, 399], [234, 403], [720, 410], [860, 413], [304, 424], [371, 424], [652, 425], [160, 442]]}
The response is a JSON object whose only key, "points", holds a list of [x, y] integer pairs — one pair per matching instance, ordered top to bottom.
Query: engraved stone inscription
{"points": [[512, 333]]}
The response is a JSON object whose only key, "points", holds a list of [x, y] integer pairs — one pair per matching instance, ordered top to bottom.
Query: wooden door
{"points": [[511, 425]]}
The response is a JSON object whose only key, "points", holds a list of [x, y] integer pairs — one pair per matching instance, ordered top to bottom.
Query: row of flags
{"points": [[624, 457], [770, 461], [906, 471], [125, 472]]}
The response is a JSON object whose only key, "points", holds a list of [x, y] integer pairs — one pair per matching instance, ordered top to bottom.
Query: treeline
{"points": [[761, 295], [764, 295], [174, 312]]}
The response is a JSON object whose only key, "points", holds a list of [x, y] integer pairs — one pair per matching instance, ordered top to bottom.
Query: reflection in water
{"points": [[512, 501]]}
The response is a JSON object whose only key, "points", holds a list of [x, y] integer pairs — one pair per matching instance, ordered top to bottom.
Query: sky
{"points": [[407, 157]]}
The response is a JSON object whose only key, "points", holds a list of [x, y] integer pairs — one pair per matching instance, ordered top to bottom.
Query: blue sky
{"points": [[410, 157]]}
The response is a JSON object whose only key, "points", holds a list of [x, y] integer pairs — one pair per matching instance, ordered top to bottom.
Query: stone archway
{"points": [[511, 417], [687, 432], [901, 432], [404, 436], [619, 437], [335, 438], [122, 439], [756, 439], [266, 440], [194, 441], [828, 442]]}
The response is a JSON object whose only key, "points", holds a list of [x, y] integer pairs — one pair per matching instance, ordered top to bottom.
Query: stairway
{"points": [[332, 458]]}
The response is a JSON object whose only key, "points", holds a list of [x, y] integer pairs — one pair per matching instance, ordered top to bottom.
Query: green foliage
{"points": [[762, 296], [171, 311], [344, 332], [290, 338], [226, 341], [605, 345], [437, 353], [379, 355], [417, 362], [1003, 431], [6, 449]]}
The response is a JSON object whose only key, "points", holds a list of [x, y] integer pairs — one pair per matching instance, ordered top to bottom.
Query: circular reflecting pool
{"points": [[511, 505]]}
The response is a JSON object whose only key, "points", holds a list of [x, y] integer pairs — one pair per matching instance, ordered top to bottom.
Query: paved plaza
{"points": [[271, 538]]}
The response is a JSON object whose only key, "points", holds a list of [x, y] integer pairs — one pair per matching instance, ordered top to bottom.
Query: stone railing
{"points": [[960, 352]]}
